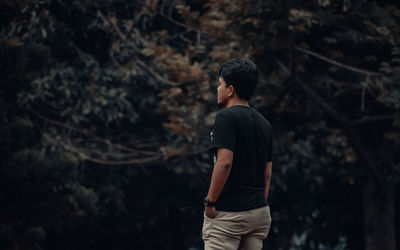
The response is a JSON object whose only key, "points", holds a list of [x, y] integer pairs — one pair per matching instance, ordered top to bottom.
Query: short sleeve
{"points": [[223, 134]]}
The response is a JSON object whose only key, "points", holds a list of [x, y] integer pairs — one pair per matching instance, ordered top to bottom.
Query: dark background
{"points": [[107, 105]]}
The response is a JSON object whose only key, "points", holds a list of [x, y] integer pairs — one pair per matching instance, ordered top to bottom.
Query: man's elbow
{"points": [[225, 165], [228, 166]]}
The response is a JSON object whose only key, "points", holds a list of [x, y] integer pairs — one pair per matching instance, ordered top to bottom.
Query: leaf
{"points": [[324, 3], [383, 30], [44, 33], [330, 40], [15, 42], [169, 152]]}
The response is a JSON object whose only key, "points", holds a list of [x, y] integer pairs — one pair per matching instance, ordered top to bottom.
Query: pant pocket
{"points": [[268, 221], [206, 227]]}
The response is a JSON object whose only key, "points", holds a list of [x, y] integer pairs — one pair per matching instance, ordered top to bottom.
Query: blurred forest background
{"points": [[107, 105]]}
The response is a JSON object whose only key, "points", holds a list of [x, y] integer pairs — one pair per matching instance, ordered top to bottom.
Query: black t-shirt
{"points": [[249, 135]]}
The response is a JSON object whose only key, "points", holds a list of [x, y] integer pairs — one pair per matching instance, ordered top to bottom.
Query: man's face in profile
{"points": [[222, 92]]}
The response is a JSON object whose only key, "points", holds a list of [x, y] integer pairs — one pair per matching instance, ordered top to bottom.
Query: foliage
{"points": [[107, 106]]}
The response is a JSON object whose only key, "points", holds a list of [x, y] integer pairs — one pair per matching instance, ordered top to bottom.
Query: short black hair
{"points": [[242, 75]]}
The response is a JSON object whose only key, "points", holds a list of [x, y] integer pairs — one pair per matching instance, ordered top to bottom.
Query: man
{"points": [[237, 213]]}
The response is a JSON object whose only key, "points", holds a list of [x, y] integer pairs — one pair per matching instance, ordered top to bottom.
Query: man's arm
{"points": [[268, 172], [219, 176]]}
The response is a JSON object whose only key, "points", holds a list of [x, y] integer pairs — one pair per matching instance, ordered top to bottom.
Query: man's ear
{"points": [[231, 90]]}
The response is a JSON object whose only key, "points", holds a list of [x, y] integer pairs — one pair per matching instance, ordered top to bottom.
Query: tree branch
{"points": [[177, 22], [189, 28], [140, 62], [351, 68], [316, 98], [373, 119], [345, 125], [95, 137], [85, 156], [113, 158]]}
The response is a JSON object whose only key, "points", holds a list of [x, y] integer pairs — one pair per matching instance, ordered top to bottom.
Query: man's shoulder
{"points": [[234, 110], [225, 113], [238, 114], [261, 117]]}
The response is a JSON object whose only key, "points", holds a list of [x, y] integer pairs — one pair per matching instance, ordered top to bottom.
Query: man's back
{"points": [[244, 131]]}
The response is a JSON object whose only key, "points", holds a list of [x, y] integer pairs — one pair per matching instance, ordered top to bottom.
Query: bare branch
{"points": [[162, 6], [171, 9], [169, 18], [177, 23], [189, 28], [176, 35], [184, 38], [198, 38], [284, 68], [351, 68], [156, 75], [365, 85], [363, 99], [373, 119], [95, 137], [85, 156], [112, 158]]}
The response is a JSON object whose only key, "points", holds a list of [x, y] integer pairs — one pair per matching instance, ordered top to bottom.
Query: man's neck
{"points": [[235, 102]]}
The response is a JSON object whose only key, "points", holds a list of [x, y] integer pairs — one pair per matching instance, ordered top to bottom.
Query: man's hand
{"points": [[210, 212]]}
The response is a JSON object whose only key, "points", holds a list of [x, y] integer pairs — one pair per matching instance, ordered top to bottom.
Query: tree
{"points": [[126, 93]]}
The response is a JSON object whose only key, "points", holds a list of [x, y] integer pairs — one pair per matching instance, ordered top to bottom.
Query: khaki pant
{"points": [[237, 230]]}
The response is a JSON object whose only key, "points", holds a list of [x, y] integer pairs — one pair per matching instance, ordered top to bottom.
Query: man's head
{"points": [[239, 77]]}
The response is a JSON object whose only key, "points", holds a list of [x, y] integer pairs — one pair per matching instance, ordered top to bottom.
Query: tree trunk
{"points": [[379, 216]]}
